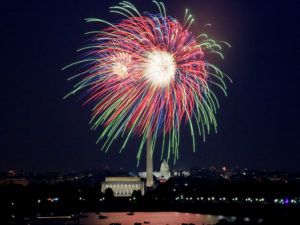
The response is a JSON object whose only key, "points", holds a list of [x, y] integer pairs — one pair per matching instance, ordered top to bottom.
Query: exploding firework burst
{"points": [[147, 74]]}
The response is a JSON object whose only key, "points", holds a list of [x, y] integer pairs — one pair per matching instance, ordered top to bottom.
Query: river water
{"points": [[154, 218]]}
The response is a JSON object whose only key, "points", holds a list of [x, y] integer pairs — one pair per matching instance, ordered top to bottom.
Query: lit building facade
{"points": [[163, 174], [123, 186]]}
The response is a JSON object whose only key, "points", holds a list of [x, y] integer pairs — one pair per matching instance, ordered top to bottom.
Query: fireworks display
{"points": [[147, 75]]}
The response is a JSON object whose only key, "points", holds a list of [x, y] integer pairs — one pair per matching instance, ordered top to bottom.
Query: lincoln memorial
{"points": [[123, 186]]}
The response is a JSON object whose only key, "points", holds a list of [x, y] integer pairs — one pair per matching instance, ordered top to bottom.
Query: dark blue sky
{"points": [[258, 123]]}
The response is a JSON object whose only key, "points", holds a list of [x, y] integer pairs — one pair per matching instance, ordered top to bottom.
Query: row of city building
{"points": [[123, 184]]}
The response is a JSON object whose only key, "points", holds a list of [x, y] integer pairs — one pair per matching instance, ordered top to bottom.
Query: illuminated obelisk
{"points": [[149, 163]]}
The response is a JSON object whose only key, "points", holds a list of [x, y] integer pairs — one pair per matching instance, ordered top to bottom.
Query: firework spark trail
{"points": [[147, 74]]}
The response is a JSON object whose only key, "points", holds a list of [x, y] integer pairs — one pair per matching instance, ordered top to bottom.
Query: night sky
{"points": [[258, 122]]}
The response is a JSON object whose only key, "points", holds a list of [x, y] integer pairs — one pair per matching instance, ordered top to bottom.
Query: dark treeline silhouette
{"points": [[177, 194]]}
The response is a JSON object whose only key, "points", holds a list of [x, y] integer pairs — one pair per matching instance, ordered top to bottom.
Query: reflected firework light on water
{"points": [[159, 218]]}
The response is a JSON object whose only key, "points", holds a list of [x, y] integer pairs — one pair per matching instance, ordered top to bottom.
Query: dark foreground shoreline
{"points": [[278, 203]]}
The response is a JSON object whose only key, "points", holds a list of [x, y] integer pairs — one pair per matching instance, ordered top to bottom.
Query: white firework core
{"points": [[120, 63], [160, 68], [119, 69]]}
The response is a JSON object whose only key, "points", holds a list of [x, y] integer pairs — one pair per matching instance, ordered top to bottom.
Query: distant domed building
{"points": [[164, 167], [164, 171], [163, 174]]}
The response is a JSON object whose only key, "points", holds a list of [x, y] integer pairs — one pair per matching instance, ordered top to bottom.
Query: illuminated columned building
{"points": [[123, 186]]}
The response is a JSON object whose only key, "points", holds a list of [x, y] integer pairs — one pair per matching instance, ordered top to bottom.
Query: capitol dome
{"points": [[164, 167]]}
